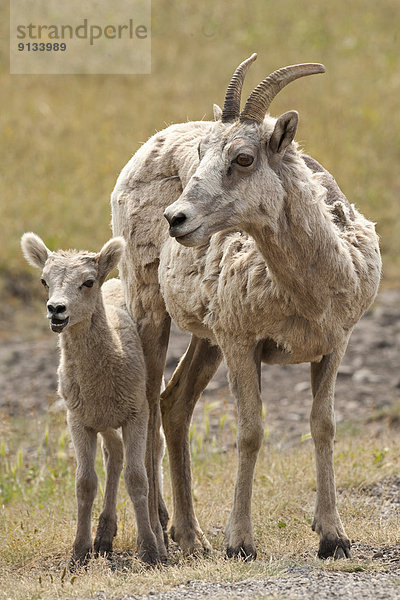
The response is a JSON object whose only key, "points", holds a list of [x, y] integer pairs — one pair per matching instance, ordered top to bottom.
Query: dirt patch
{"points": [[368, 385]]}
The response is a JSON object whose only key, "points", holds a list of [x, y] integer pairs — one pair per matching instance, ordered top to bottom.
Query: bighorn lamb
{"points": [[273, 266], [102, 380]]}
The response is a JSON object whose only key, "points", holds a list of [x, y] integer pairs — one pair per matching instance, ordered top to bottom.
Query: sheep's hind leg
{"points": [[154, 338], [244, 365], [191, 376], [85, 443], [113, 457], [137, 485], [162, 509], [333, 539]]}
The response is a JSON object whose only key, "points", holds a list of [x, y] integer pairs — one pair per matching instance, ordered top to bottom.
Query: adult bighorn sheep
{"points": [[273, 265]]}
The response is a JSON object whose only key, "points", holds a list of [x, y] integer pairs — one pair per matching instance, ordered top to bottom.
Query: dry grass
{"points": [[38, 520]]}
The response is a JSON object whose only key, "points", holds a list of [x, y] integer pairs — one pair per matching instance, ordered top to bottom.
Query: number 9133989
{"points": [[42, 46]]}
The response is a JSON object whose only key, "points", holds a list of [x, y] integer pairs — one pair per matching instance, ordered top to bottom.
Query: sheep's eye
{"points": [[198, 151], [244, 160], [43, 282], [89, 283]]}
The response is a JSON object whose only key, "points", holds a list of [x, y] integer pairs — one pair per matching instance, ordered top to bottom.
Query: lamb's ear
{"points": [[217, 110], [283, 135], [34, 250], [109, 256]]}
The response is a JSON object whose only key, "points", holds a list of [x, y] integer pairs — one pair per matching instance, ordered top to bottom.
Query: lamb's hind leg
{"points": [[192, 375], [113, 456], [333, 539]]}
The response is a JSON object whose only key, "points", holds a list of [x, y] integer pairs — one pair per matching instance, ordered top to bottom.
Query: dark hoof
{"points": [[163, 513], [164, 518], [106, 532], [172, 533], [166, 540], [102, 547], [336, 548], [246, 553], [149, 554], [78, 561]]}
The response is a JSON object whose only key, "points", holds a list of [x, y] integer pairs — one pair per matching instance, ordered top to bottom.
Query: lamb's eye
{"points": [[198, 151], [244, 160], [43, 282], [89, 283]]}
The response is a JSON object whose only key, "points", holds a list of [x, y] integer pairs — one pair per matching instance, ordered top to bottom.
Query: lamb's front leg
{"points": [[244, 377], [85, 442], [113, 455], [137, 485], [333, 539]]}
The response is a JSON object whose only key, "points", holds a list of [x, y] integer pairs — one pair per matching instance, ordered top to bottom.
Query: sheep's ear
{"points": [[217, 110], [283, 135], [34, 250], [109, 256]]}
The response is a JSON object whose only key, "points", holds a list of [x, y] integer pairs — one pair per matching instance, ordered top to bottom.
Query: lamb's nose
{"points": [[176, 219], [57, 309]]}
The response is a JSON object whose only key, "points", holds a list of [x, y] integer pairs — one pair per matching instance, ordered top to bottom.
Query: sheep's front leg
{"points": [[244, 377], [178, 400], [85, 442], [113, 457], [137, 485], [333, 539]]}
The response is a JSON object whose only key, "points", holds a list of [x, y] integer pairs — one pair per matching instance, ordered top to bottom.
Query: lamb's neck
{"points": [[305, 255], [88, 343]]}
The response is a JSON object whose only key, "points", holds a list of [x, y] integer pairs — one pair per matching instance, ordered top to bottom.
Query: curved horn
{"points": [[259, 100], [231, 108]]}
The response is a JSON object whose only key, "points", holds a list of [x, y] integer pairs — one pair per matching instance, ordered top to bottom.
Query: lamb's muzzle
{"points": [[58, 320], [58, 325]]}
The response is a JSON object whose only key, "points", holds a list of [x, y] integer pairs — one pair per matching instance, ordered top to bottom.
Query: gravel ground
{"points": [[299, 583]]}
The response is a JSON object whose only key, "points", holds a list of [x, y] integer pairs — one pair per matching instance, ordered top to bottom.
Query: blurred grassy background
{"points": [[65, 138]]}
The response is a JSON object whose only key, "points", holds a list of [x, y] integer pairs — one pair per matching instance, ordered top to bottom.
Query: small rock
{"points": [[383, 343], [345, 371], [366, 376], [302, 386]]}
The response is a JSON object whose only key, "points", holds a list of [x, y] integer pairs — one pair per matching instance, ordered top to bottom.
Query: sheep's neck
{"points": [[305, 256]]}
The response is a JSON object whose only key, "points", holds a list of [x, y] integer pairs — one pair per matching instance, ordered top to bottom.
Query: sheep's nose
{"points": [[176, 219], [57, 309]]}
